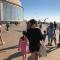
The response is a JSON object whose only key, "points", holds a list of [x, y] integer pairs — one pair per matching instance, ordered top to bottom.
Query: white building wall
{"points": [[1, 10], [10, 12]]}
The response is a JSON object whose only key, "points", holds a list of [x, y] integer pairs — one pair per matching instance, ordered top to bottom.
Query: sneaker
{"points": [[49, 45], [58, 45]]}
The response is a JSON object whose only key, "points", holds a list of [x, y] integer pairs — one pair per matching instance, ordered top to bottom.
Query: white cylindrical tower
{"points": [[15, 1]]}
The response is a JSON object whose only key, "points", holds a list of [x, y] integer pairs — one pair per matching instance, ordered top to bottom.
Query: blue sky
{"points": [[41, 9]]}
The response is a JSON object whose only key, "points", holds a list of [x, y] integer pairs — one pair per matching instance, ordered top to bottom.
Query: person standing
{"points": [[55, 25], [7, 26], [40, 26], [50, 32], [0, 35], [44, 35], [34, 36], [54, 37], [59, 38], [22, 45]]}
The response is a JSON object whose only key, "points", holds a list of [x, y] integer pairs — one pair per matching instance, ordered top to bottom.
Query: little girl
{"points": [[44, 35], [22, 45]]}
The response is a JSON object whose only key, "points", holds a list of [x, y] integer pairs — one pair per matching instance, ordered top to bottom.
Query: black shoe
{"points": [[58, 45]]}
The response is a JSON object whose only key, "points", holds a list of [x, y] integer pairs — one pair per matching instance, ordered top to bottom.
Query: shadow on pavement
{"points": [[12, 47], [52, 49], [2, 51], [18, 54], [15, 55], [29, 58]]}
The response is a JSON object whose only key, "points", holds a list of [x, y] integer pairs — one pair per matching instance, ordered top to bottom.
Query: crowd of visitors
{"points": [[34, 36]]}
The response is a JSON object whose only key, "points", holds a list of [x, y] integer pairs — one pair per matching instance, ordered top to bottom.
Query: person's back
{"points": [[55, 25], [7, 26], [50, 30], [34, 33], [44, 35], [34, 36], [23, 43], [22, 46]]}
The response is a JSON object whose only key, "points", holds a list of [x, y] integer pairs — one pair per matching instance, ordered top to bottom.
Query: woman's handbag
{"points": [[42, 51]]}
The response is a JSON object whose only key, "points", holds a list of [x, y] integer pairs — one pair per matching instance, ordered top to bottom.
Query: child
{"points": [[44, 35], [22, 45]]}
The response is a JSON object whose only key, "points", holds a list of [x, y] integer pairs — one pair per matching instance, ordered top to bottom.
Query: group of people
{"points": [[51, 32], [34, 35]]}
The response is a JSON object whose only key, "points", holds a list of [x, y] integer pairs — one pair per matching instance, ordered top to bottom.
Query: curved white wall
{"points": [[11, 12]]}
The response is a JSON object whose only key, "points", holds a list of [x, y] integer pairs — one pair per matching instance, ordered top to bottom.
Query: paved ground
{"points": [[9, 50]]}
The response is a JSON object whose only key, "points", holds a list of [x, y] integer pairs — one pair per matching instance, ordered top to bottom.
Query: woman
{"points": [[0, 35], [34, 36]]}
